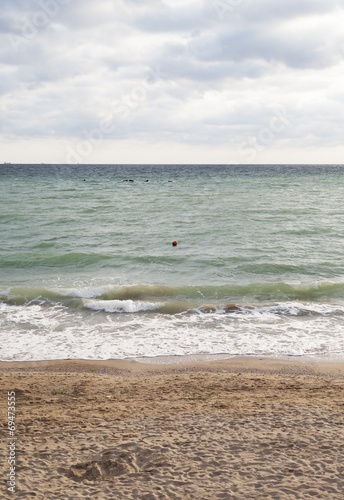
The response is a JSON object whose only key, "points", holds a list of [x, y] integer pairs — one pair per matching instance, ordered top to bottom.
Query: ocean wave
{"points": [[29, 260], [233, 292], [230, 299], [120, 306], [205, 310]]}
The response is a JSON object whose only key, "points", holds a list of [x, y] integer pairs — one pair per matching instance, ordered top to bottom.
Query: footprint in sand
{"points": [[126, 458]]}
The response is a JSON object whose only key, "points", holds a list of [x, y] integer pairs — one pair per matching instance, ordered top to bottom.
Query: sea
{"points": [[88, 268]]}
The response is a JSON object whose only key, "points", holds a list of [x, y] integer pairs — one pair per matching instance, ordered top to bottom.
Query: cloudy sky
{"points": [[172, 81]]}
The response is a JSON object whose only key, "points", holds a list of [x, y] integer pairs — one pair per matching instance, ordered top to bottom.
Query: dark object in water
{"points": [[231, 308], [207, 309]]}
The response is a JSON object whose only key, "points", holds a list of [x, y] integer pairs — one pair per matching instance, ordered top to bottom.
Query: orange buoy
{"points": [[174, 243]]}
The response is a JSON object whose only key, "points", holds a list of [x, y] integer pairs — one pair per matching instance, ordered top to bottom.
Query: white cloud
{"points": [[160, 79]]}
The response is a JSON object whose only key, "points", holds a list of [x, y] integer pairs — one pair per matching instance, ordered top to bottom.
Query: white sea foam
{"points": [[82, 292], [120, 306], [40, 332]]}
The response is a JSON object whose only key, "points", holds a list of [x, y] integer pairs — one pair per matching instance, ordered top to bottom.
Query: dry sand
{"points": [[236, 429]]}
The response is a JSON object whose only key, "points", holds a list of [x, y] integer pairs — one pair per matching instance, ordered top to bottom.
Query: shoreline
{"points": [[183, 363]]}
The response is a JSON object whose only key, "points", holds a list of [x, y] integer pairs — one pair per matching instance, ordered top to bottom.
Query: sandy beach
{"points": [[239, 428]]}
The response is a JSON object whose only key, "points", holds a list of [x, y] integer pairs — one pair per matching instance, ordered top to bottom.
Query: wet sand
{"points": [[239, 428]]}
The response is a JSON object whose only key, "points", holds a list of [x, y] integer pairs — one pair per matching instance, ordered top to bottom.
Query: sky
{"points": [[171, 81]]}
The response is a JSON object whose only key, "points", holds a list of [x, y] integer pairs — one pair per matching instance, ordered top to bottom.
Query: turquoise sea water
{"points": [[88, 270]]}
